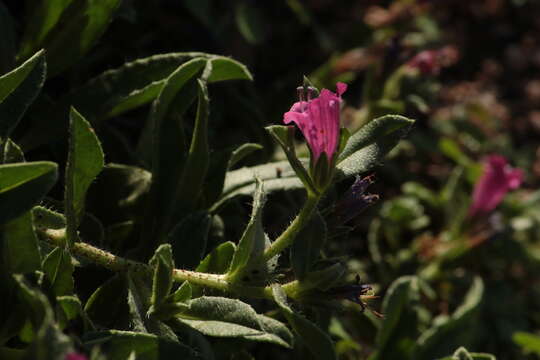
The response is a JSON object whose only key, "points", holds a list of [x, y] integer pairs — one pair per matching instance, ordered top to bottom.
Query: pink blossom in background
{"points": [[427, 62], [318, 119], [497, 179], [75, 356]]}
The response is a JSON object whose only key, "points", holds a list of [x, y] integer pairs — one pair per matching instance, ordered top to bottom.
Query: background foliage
{"points": [[132, 102]]}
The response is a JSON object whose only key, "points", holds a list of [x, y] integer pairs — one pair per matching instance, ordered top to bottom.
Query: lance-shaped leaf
{"points": [[43, 16], [83, 23], [18, 89], [119, 90], [284, 135], [371, 143], [168, 152], [85, 161], [196, 165], [23, 185], [253, 241], [19, 245], [218, 261], [163, 265], [59, 269], [139, 304], [223, 317], [400, 321], [457, 330], [317, 341]]}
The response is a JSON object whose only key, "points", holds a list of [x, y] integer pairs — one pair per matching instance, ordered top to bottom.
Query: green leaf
{"points": [[44, 15], [250, 22], [83, 23], [8, 43], [224, 68], [125, 88], [18, 89], [284, 135], [371, 143], [168, 152], [241, 152], [11, 153], [198, 159], [85, 162], [276, 176], [23, 185], [46, 218], [188, 239], [253, 240], [19, 245], [307, 246], [219, 260], [163, 264], [59, 269], [182, 294], [138, 297], [108, 303], [141, 311], [223, 317], [458, 329], [396, 336], [316, 340], [48, 341], [527, 341], [120, 344]]}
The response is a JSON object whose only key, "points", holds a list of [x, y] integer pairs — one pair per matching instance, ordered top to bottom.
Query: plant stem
{"points": [[57, 237], [287, 237]]}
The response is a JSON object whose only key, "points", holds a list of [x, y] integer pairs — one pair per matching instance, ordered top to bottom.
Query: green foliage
{"points": [[23, 185], [154, 243]]}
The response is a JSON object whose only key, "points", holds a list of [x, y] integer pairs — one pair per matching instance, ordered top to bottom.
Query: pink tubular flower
{"points": [[318, 119], [498, 178]]}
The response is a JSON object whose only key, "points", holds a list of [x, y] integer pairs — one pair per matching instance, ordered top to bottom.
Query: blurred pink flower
{"points": [[427, 62], [318, 119], [497, 179], [75, 356]]}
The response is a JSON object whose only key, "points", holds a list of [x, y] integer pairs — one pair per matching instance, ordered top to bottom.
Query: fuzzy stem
{"points": [[57, 237], [287, 237]]}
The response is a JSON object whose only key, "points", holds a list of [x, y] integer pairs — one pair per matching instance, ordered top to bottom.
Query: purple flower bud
{"points": [[318, 120], [497, 179], [355, 200]]}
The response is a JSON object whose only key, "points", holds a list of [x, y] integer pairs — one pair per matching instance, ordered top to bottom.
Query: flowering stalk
{"points": [[319, 121]]}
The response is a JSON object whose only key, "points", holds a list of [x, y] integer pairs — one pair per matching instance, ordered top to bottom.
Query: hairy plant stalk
{"points": [[57, 237], [287, 237]]}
